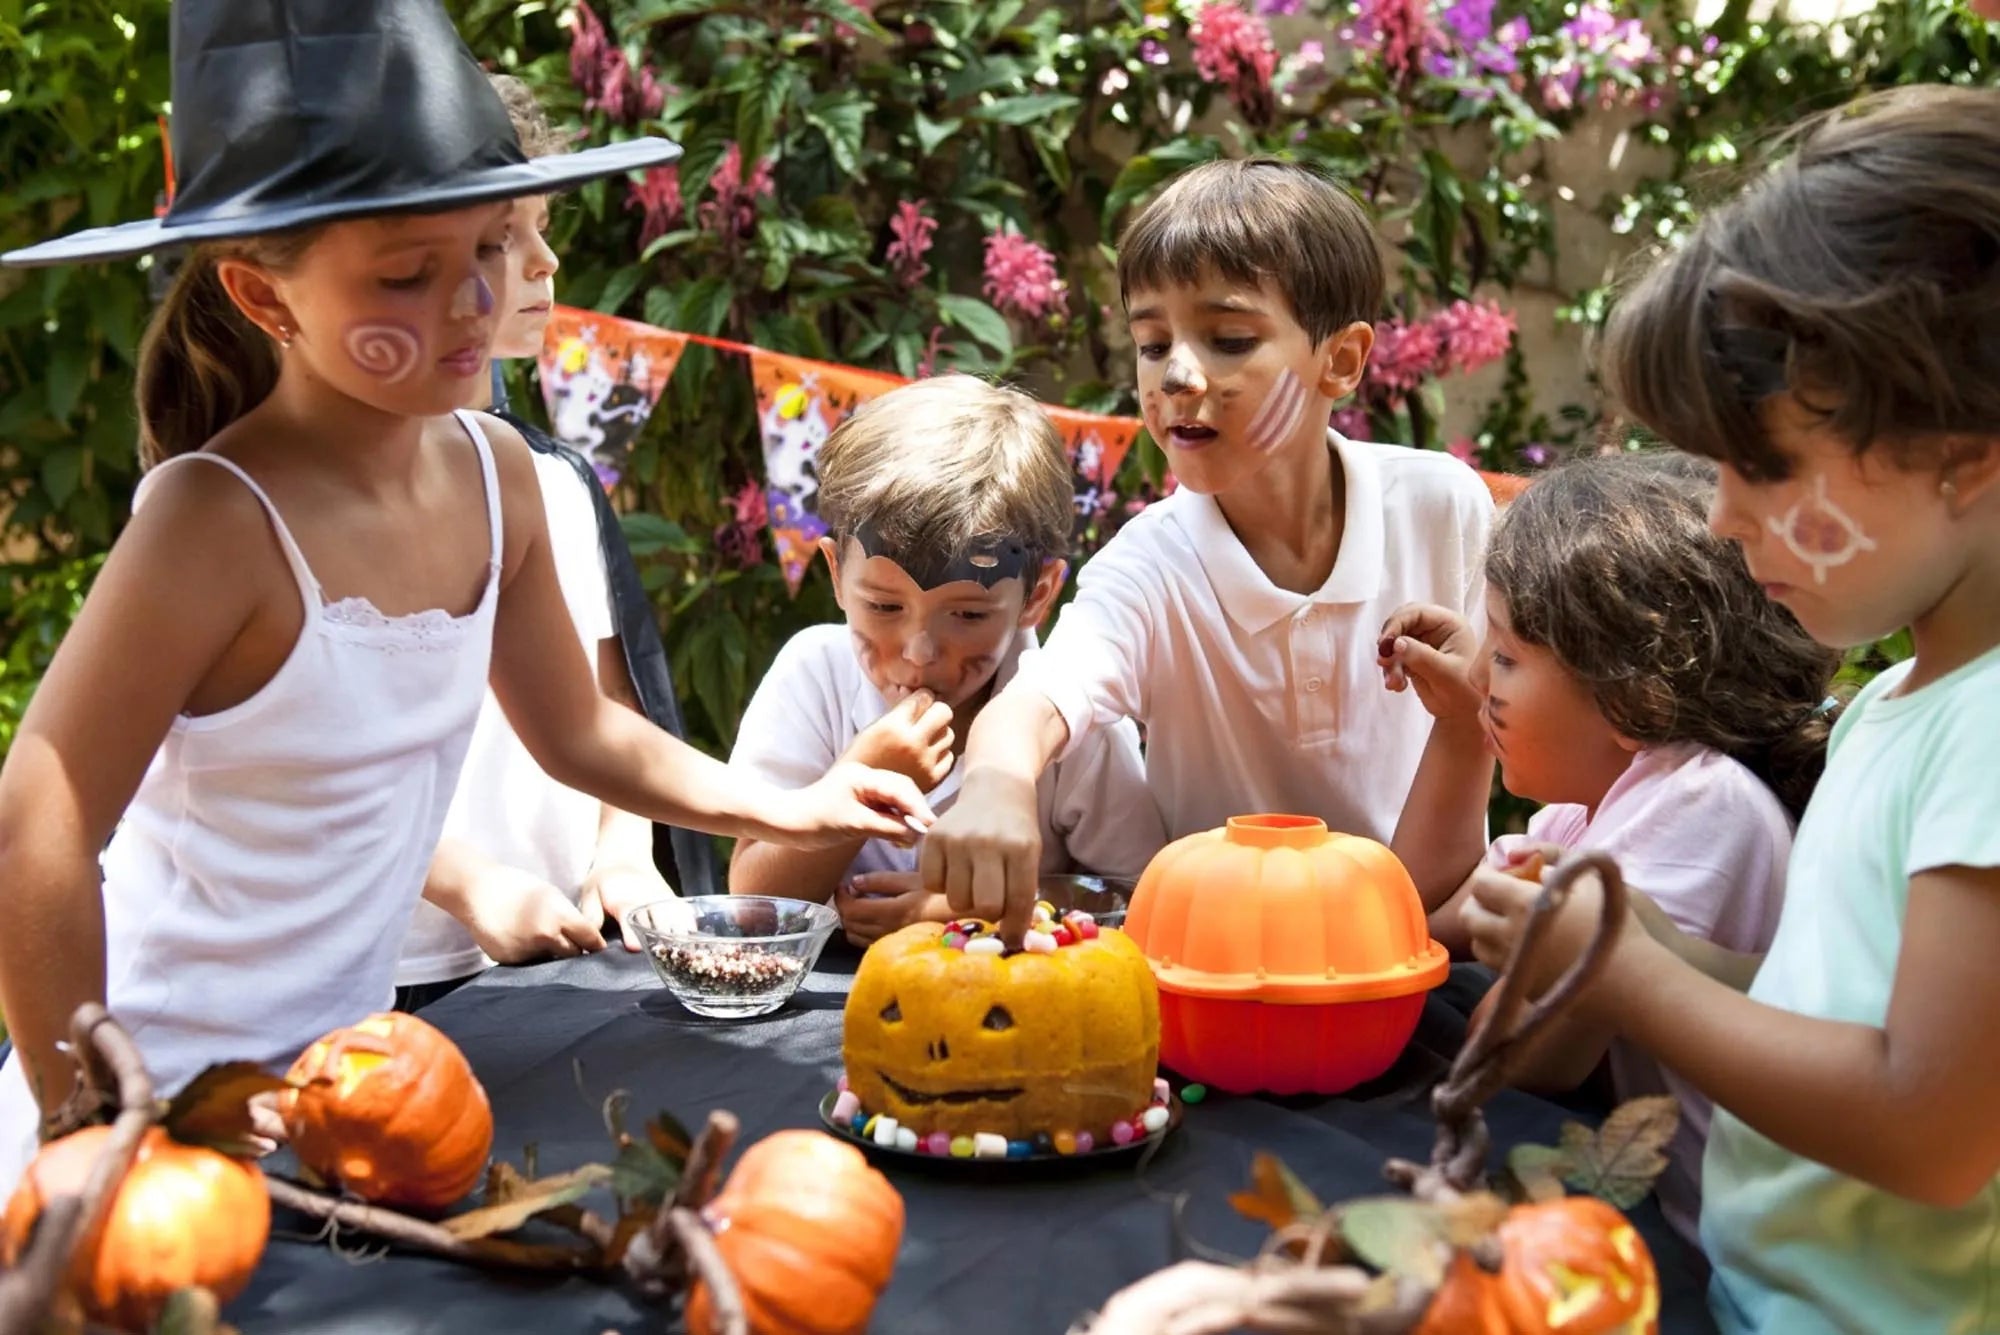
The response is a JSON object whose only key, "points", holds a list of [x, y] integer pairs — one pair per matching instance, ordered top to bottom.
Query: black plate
{"points": [[1034, 1165]]}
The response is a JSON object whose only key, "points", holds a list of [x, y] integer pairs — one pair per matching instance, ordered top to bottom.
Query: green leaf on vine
{"points": [[1620, 1161], [1398, 1235]]}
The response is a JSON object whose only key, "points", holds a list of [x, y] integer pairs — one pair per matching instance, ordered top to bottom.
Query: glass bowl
{"points": [[1104, 898], [732, 956]]}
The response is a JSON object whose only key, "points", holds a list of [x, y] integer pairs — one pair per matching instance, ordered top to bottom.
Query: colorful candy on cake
{"points": [[956, 1046]]}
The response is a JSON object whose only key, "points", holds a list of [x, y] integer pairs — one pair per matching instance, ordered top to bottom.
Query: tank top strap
{"points": [[491, 477], [296, 559]]}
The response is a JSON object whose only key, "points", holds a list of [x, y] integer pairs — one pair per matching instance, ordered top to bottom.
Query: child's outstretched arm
{"points": [[196, 578], [597, 746], [1441, 834], [1907, 1107]]}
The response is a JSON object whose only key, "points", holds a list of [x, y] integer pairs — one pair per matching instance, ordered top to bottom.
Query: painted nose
{"points": [[1182, 375], [920, 650]]}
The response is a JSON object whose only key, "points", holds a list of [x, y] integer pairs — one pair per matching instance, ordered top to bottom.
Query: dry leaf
{"points": [[214, 1108], [670, 1138], [1620, 1161], [1539, 1170], [504, 1183], [545, 1194], [1276, 1196], [1472, 1218], [1397, 1235]]}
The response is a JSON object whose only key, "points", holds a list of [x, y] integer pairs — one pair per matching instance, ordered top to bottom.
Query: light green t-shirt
{"points": [[1912, 783]]}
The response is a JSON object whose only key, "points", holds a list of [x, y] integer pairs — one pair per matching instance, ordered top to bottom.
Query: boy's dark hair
{"points": [[1260, 219], [1861, 273], [932, 469], [1609, 563]]}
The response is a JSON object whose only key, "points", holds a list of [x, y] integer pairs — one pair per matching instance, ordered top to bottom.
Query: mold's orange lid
{"points": [[1278, 908]]}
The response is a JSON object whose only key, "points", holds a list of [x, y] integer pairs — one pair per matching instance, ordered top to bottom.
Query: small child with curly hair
{"points": [[1636, 679]]}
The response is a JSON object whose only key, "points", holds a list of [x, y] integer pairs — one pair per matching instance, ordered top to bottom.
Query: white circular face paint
{"points": [[387, 351], [1278, 416], [1820, 533]]}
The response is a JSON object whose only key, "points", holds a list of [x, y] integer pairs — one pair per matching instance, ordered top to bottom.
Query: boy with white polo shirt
{"points": [[948, 504], [1238, 619]]}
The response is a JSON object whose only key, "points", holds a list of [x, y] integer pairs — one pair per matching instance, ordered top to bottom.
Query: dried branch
{"points": [[110, 1072], [424, 1236], [656, 1259], [707, 1267]]}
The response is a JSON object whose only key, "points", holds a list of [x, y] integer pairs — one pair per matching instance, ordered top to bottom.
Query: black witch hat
{"points": [[292, 112]]}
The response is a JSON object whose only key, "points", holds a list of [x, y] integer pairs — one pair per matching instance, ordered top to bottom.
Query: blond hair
{"points": [[538, 138], [934, 467]]}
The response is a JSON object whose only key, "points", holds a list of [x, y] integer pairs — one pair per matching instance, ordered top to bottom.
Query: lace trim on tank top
{"points": [[428, 631]]}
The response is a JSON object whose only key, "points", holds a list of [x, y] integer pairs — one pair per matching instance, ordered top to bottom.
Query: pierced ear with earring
{"points": [[284, 336]]}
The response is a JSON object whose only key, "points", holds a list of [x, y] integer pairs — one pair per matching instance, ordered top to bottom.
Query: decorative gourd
{"points": [[1289, 959], [949, 1040], [390, 1110], [183, 1216], [810, 1233], [1570, 1267]]}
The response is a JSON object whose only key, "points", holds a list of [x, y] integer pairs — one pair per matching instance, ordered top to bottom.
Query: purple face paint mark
{"points": [[473, 298], [387, 351], [1279, 414], [1820, 533]]}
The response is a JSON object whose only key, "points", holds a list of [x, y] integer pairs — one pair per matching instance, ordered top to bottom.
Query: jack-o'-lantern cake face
{"points": [[963, 1042]]}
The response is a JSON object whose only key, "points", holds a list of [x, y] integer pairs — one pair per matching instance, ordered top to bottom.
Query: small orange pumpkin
{"points": [[390, 1110], [183, 1216], [810, 1232], [1570, 1267]]}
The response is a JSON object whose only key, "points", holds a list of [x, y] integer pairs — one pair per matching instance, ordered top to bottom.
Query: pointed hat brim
{"points": [[537, 176]]}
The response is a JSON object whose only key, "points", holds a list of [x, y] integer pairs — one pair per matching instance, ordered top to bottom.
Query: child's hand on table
{"points": [[1431, 648], [913, 739], [619, 887], [875, 904], [516, 916]]}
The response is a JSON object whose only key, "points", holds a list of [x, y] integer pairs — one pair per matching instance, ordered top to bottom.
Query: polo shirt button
{"points": [[1313, 683]]}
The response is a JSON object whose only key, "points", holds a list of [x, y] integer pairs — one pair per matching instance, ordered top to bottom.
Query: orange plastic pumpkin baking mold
{"points": [[1289, 958]]}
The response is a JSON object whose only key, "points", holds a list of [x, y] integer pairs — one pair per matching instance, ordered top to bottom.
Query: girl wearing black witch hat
{"points": [[269, 692]]}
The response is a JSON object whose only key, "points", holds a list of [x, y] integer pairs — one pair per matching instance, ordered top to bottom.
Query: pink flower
{"points": [[1402, 31], [587, 47], [1234, 50], [616, 95], [652, 97], [658, 194], [733, 211], [912, 228], [1021, 276], [1473, 333], [1405, 355], [1352, 422], [1465, 450], [741, 539]]}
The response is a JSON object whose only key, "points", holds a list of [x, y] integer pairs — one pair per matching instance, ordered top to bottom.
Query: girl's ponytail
{"points": [[202, 364]]}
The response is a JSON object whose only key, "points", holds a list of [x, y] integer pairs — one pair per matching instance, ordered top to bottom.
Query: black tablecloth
{"points": [[1012, 1258]]}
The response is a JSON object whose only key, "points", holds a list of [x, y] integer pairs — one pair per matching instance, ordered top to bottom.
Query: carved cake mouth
{"points": [[956, 1096]]}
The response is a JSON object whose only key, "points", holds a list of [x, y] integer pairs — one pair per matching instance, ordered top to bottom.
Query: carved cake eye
{"points": [[891, 1013], [998, 1019]]}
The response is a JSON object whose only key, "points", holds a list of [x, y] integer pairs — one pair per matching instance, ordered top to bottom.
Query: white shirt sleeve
{"points": [[1475, 524], [578, 549], [1092, 667], [787, 736], [1100, 815]]}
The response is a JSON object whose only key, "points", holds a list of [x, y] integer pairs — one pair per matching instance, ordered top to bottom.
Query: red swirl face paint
{"points": [[386, 351], [1278, 416]]}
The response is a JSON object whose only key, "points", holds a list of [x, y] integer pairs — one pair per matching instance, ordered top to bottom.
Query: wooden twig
{"points": [[110, 1071], [424, 1236], [655, 1259], [706, 1266]]}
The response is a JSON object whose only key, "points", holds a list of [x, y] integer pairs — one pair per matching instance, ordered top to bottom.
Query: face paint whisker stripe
{"points": [[388, 351], [1280, 413], [1812, 526]]}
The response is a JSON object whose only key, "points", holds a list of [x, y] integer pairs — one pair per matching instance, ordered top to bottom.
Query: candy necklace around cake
{"points": [[1046, 934]]}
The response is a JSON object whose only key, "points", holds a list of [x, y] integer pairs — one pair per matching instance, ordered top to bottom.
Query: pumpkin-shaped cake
{"points": [[951, 1038], [390, 1110], [183, 1216]]}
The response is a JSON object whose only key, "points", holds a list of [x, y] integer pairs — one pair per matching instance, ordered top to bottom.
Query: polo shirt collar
{"points": [[1253, 602]]}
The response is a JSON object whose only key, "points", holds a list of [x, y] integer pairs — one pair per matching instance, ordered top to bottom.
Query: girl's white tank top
{"points": [[258, 890]]}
